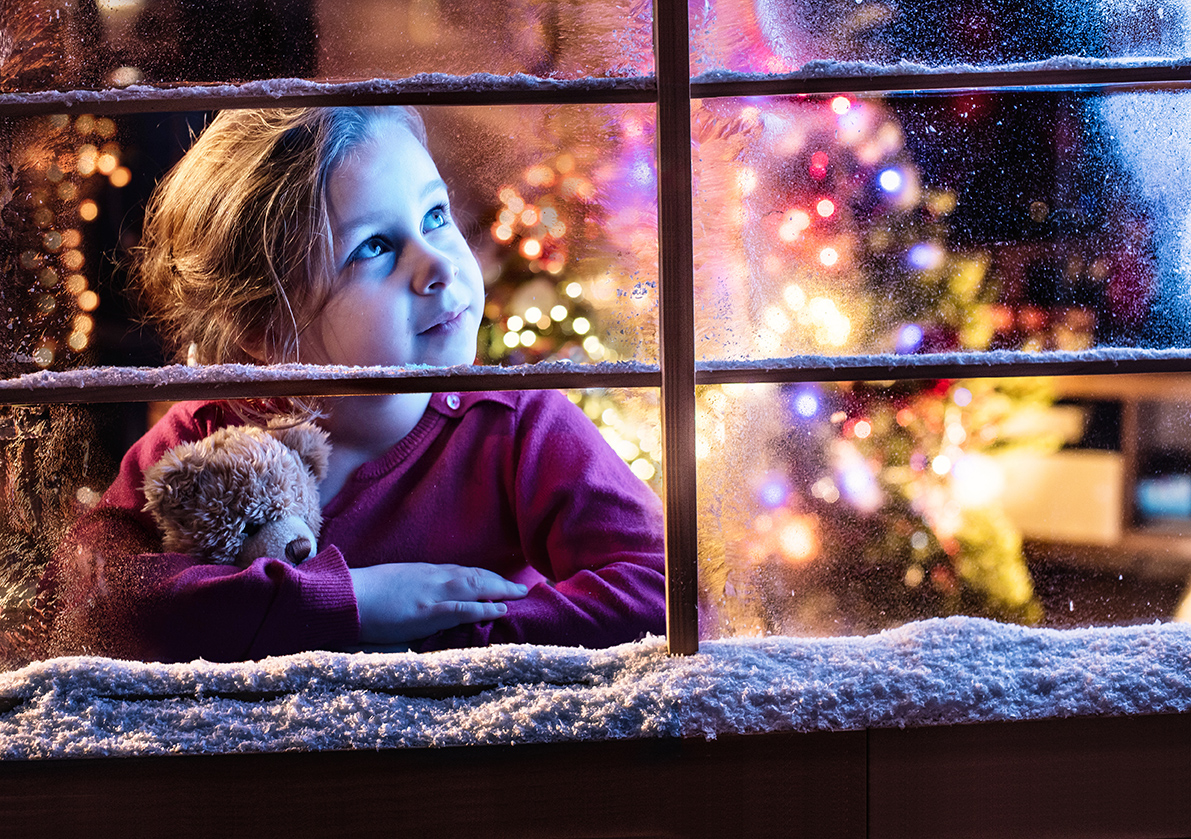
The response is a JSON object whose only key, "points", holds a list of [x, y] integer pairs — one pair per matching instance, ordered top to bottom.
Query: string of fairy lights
{"points": [[71, 157]]}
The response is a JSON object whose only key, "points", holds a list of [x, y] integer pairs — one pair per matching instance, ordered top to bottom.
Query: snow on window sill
{"points": [[934, 672]]}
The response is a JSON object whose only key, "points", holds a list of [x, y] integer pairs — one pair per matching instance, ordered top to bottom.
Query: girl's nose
{"points": [[433, 271]]}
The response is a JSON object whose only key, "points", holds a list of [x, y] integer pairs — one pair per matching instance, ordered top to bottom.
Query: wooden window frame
{"points": [[672, 91]]}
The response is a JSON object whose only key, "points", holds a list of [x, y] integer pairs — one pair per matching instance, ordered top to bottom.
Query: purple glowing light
{"points": [[909, 338]]}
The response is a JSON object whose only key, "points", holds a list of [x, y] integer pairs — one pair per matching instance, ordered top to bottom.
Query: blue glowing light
{"points": [[641, 172], [891, 180], [924, 256], [909, 338], [806, 404], [774, 492]]}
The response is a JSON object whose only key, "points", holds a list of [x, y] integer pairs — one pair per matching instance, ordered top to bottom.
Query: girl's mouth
{"points": [[451, 323]]}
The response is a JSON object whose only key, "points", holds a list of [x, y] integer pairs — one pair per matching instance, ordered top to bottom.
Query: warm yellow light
{"points": [[841, 105], [88, 155], [106, 164], [540, 175], [121, 177], [746, 180], [825, 207], [88, 210], [530, 216], [795, 222], [502, 233], [531, 248], [829, 256], [72, 259], [573, 291], [88, 301], [559, 312], [533, 314], [777, 320], [515, 323], [581, 325], [528, 338], [512, 339], [77, 341], [43, 356], [862, 429], [941, 464], [643, 469], [798, 539]]}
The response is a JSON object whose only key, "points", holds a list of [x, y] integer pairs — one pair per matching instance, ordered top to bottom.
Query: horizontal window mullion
{"points": [[894, 79], [436, 89], [970, 365], [177, 382]]}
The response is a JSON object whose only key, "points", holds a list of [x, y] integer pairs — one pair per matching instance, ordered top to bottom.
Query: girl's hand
{"points": [[400, 602]]}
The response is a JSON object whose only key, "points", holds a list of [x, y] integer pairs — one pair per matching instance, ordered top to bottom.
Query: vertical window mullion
{"points": [[676, 332]]}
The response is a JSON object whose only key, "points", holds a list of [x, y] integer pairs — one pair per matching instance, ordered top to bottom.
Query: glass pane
{"points": [[776, 36], [122, 42], [551, 201], [558, 203], [1025, 221], [56, 462], [850, 508]]}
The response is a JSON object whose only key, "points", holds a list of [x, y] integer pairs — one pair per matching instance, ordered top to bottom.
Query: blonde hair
{"points": [[235, 258]]}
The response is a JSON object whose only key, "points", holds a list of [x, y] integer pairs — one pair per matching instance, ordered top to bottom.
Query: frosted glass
{"points": [[778, 36], [120, 42], [558, 202], [1023, 221], [847, 509]]}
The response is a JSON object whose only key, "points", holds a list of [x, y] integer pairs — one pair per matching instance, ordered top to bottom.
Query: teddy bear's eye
{"points": [[251, 528]]}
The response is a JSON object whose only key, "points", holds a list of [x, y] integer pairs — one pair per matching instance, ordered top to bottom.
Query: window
{"points": [[850, 217]]}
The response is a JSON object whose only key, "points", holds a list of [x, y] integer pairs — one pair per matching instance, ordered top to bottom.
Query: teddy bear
{"points": [[243, 492]]}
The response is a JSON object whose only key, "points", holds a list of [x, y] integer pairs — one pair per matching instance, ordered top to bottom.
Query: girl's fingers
{"points": [[481, 584], [455, 612]]}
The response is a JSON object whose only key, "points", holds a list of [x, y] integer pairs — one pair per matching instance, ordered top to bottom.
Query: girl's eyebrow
{"points": [[365, 219]]}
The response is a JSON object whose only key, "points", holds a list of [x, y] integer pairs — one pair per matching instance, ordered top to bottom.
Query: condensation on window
{"points": [[775, 36], [116, 43], [837, 225], [840, 509]]}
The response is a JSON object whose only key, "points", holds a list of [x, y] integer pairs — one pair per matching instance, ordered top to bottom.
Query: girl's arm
{"points": [[587, 523], [112, 592]]}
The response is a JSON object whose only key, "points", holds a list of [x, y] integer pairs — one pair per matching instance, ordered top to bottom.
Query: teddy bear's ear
{"points": [[310, 442], [171, 480]]}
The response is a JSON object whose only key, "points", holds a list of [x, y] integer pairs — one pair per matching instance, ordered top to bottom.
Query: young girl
{"points": [[326, 236]]}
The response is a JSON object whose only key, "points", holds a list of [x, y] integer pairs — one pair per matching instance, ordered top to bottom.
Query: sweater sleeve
{"points": [[589, 525], [111, 591]]}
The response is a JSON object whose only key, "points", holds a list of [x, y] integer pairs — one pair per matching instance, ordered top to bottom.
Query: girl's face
{"points": [[408, 289]]}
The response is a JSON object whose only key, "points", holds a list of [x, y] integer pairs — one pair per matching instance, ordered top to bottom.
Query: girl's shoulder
{"points": [[515, 405], [192, 420]]}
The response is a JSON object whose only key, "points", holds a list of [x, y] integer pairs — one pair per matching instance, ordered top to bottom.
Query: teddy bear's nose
{"points": [[297, 550]]}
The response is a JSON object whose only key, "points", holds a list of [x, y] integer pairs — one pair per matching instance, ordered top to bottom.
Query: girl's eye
{"points": [[436, 218], [369, 249]]}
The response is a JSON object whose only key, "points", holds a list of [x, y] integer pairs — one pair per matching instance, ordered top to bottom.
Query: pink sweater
{"points": [[520, 483]]}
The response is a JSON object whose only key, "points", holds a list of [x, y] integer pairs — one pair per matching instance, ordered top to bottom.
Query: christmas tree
{"points": [[825, 508]]}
